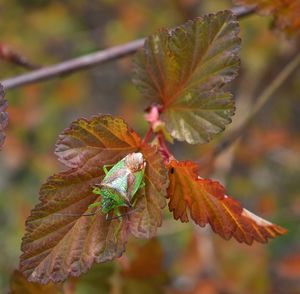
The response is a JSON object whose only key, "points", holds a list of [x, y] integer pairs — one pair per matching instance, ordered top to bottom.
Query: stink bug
{"points": [[120, 184]]}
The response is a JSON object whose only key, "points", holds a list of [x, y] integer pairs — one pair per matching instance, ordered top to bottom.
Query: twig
{"points": [[10, 55], [89, 60], [73, 65], [265, 96]]}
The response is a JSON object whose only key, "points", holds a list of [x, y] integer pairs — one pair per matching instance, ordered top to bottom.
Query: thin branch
{"points": [[10, 55], [89, 60], [73, 65], [265, 96]]}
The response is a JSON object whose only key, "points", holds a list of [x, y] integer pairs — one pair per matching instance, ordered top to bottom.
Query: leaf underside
{"points": [[286, 13], [184, 69], [3, 116], [206, 202], [60, 241]]}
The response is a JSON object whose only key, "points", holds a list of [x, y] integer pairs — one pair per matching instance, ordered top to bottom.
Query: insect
{"points": [[120, 184]]}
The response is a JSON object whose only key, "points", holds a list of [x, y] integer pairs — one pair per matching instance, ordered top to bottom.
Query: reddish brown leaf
{"points": [[286, 13], [3, 116], [93, 142], [207, 203], [148, 215], [59, 241], [19, 285]]}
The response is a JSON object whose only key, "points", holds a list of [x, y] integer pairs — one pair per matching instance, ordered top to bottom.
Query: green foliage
{"points": [[183, 70]]}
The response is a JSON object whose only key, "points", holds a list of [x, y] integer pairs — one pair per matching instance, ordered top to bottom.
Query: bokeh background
{"points": [[262, 170]]}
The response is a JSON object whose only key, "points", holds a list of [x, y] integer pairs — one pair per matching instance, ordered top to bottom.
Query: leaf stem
{"points": [[147, 136], [164, 148]]}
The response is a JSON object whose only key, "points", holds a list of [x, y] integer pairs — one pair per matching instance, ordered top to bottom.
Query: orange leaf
{"points": [[207, 203]]}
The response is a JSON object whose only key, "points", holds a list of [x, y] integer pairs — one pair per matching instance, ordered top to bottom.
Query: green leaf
{"points": [[184, 69], [3, 116], [60, 241]]}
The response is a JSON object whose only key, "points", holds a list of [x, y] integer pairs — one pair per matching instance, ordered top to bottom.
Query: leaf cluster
{"points": [[182, 72]]}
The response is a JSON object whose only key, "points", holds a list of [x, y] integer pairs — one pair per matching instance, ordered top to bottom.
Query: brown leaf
{"points": [[286, 13], [96, 141], [207, 203], [148, 217], [60, 241], [56, 246]]}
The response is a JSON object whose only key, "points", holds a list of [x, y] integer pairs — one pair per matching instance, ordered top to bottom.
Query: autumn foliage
{"points": [[182, 73], [207, 202]]}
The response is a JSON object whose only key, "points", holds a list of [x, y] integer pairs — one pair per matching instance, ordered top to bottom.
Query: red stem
{"points": [[148, 136], [164, 147]]}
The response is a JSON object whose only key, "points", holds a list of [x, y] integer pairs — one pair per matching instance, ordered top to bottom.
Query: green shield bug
{"points": [[120, 184]]}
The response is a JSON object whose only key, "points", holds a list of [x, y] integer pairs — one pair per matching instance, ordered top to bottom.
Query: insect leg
{"points": [[105, 168], [143, 184], [97, 190], [96, 204], [74, 214], [120, 215], [119, 226]]}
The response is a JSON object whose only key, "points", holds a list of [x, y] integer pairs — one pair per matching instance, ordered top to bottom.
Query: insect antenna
{"points": [[93, 213], [75, 214], [121, 215]]}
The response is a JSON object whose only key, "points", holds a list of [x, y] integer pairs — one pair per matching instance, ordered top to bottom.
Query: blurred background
{"points": [[262, 170]]}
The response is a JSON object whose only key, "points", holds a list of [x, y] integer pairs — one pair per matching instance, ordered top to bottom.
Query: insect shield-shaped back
{"points": [[121, 182]]}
